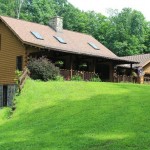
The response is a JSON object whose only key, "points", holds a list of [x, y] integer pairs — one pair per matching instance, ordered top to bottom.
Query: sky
{"points": [[102, 6]]}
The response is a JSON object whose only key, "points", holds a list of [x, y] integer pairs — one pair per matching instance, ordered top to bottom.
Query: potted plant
{"points": [[59, 63], [83, 65]]}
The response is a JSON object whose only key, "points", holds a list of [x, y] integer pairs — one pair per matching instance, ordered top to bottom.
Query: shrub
{"points": [[42, 69], [134, 74], [17, 75], [76, 77], [59, 78], [95, 79]]}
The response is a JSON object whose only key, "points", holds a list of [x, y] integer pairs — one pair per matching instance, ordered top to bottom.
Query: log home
{"points": [[20, 39], [142, 68]]}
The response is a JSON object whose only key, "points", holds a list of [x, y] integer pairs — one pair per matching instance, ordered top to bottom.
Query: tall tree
{"points": [[18, 6], [11, 7], [39, 11], [127, 31], [147, 39]]}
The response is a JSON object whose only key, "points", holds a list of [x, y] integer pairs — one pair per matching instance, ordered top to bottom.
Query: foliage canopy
{"points": [[125, 33]]}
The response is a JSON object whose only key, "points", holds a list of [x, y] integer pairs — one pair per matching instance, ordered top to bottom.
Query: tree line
{"points": [[125, 33]]}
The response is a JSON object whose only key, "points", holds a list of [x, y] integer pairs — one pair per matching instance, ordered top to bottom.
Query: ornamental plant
{"points": [[42, 69]]}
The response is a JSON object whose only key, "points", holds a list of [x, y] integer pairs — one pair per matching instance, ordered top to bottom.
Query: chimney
{"points": [[56, 23]]}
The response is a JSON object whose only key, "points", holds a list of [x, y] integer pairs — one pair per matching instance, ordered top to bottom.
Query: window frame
{"points": [[37, 35], [60, 39], [94, 46], [19, 65]]}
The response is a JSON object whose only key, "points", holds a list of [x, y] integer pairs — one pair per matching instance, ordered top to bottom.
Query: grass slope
{"points": [[78, 116]]}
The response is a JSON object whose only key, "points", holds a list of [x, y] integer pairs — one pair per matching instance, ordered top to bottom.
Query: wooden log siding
{"points": [[11, 47], [147, 68]]}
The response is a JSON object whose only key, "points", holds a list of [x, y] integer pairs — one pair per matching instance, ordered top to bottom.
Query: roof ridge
{"points": [[22, 20], [45, 25], [77, 32]]}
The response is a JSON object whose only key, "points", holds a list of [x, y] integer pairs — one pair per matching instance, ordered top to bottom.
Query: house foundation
{"points": [[7, 93]]}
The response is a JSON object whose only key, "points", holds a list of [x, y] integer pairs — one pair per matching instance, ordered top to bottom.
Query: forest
{"points": [[125, 33]]}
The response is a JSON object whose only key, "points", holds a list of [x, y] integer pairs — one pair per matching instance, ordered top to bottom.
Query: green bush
{"points": [[42, 69], [134, 74], [76, 77], [59, 78], [95, 79]]}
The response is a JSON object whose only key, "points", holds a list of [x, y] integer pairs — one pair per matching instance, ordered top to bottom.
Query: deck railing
{"points": [[68, 74], [125, 78], [22, 79], [147, 80]]}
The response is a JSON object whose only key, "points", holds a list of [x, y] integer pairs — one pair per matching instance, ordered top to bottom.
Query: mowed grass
{"points": [[78, 116]]}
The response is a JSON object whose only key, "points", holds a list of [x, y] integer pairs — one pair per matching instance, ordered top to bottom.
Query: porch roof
{"points": [[77, 43], [143, 60]]}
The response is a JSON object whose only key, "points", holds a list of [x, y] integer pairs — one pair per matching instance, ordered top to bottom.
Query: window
{"points": [[37, 35], [60, 39], [93, 45], [19, 61]]}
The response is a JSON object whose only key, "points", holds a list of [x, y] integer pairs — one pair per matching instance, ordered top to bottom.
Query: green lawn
{"points": [[78, 116]]}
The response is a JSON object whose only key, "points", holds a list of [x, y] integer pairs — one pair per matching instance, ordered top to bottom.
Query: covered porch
{"points": [[86, 66]]}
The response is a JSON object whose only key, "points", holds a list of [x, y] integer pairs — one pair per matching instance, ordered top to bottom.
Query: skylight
{"points": [[37, 35], [60, 39], [93, 45]]}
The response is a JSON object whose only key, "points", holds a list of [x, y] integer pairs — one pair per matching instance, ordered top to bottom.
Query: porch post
{"points": [[94, 63], [71, 66], [131, 66], [111, 70]]}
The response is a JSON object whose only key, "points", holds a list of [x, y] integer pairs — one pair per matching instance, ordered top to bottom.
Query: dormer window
{"points": [[37, 35], [61, 40], [93, 45]]}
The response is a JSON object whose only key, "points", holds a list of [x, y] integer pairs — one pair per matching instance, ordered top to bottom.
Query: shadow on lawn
{"points": [[92, 124]]}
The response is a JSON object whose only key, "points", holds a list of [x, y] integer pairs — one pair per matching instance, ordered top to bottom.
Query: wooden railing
{"points": [[68, 74], [125, 78], [22, 79], [147, 80]]}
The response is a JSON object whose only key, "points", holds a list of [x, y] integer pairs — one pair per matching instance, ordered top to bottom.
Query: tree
{"points": [[18, 6], [11, 7], [39, 11], [127, 32], [147, 39]]}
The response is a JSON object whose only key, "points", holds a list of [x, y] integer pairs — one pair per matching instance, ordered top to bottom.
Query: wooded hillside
{"points": [[125, 33]]}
